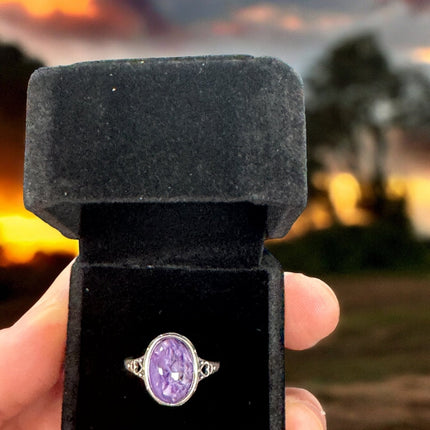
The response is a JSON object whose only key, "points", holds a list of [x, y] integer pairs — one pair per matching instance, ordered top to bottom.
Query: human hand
{"points": [[311, 314], [32, 355]]}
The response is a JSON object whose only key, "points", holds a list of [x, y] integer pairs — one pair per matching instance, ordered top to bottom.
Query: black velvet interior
{"points": [[187, 234], [117, 311]]}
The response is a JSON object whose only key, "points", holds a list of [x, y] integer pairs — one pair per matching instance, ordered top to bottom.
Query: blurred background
{"points": [[366, 230]]}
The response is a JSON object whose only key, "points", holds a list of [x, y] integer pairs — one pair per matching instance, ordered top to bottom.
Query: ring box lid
{"points": [[195, 129]]}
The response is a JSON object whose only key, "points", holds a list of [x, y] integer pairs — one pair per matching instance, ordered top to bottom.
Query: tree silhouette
{"points": [[15, 71], [355, 95], [413, 105]]}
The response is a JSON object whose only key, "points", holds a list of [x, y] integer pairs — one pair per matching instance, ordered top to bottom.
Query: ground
{"points": [[374, 372]]}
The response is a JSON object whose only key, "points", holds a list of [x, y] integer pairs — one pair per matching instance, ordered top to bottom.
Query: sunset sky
{"points": [[296, 31], [61, 32]]}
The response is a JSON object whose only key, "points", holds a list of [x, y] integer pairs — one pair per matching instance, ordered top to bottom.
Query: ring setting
{"points": [[171, 369]]}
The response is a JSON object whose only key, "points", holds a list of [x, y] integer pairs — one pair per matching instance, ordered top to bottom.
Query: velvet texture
{"points": [[197, 129], [117, 311]]}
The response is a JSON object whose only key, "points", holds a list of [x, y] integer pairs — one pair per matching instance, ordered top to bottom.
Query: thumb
{"points": [[32, 350]]}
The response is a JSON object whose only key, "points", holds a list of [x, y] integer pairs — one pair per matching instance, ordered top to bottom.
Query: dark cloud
{"points": [[414, 4], [189, 11], [155, 22]]}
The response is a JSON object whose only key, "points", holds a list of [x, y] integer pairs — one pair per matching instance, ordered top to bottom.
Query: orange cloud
{"points": [[44, 8], [258, 14], [271, 16], [286, 18], [85, 19], [91, 19], [329, 21], [291, 23], [226, 28], [421, 54]]}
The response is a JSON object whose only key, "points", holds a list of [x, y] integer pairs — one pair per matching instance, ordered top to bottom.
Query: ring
{"points": [[171, 369]]}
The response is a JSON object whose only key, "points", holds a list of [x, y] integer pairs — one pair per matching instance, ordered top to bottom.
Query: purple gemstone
{"points": [[171, 370]]}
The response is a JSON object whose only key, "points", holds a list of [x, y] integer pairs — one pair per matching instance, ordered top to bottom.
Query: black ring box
{"points": [[172, 173]]}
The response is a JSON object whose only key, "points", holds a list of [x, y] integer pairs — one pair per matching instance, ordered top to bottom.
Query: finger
{"points": [[311, 311], [32, 350], [303, 411], [43, 414]]}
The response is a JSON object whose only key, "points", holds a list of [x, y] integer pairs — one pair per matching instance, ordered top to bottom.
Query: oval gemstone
{"points": [[171, 370]]}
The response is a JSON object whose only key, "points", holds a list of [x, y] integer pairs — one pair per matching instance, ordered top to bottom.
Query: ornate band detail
{"points": [[207, 368]]}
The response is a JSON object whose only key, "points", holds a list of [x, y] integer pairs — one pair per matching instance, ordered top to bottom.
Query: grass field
{"points": [[374, 371]]}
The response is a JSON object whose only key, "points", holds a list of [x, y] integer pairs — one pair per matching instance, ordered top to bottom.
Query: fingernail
{"points": [[329, 290], [304, 412]]}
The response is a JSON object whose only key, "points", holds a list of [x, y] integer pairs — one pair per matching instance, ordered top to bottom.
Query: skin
{"points": [[32, 355]]}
